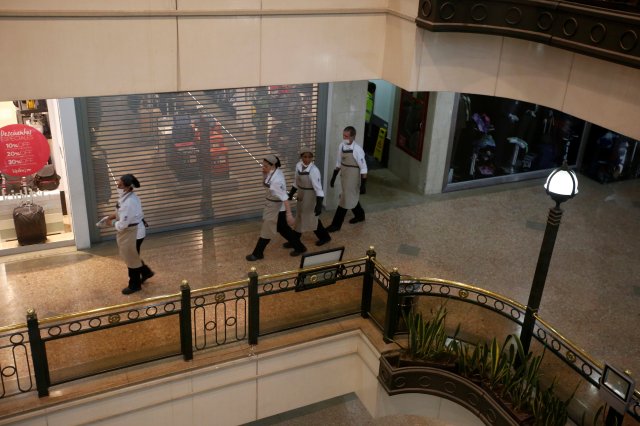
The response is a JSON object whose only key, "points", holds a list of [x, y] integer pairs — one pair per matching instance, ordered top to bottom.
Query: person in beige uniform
{"points": [[351, 163], [308, 185], [276, 216], [130, 227]]}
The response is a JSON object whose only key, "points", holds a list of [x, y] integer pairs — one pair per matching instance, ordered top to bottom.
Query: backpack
{"points": [[47, 179]]}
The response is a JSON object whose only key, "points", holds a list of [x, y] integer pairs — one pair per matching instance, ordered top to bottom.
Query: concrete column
{"points": [[63, 112], [437, 139], [426, 175]]}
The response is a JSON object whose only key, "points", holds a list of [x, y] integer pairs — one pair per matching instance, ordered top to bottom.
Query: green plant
{"points": [[428, 338], [501, 361], [472, 363], [512, 375], [524, 382], [548, 409]]}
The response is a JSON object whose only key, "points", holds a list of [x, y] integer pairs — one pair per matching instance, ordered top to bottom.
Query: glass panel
{"points": [[499, 137], [610, 156], [33, 182], [378, 304], [281, 311], [477, 323], [90, 353], [585, 402]]}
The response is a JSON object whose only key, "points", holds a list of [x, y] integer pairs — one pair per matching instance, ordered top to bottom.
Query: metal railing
{"points": [[34, 356]]}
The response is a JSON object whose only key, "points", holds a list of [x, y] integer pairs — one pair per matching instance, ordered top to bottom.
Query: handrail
{"points": [[309, 269], [219, 286], [497, 296], [149, 300], [194, 305]]}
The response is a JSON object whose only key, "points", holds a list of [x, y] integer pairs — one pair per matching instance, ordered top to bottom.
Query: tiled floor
{"points": [[486, 237]]}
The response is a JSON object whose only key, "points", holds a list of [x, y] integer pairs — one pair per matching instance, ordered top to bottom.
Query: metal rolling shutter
{"points": [[197, 154]]}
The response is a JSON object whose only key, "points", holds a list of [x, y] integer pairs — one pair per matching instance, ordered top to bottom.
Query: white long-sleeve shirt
{"points": [[358, 155], [314, 176], [277, 186], [130, 212]]}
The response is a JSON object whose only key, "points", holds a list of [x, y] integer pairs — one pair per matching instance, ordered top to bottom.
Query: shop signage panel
{"points": [[23, 150]]}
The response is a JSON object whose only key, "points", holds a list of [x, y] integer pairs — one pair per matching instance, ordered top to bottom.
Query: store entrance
{"points": [[376, 141], [34, 210]]}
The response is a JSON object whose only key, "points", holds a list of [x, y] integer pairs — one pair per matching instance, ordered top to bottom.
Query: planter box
{"points": [[436, 381]]}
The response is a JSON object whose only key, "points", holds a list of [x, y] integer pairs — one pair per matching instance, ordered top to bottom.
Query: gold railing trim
{"points": [[381, 267], [311, 268], [220, 286], [482, 291], [93, 312], [8, 328]]}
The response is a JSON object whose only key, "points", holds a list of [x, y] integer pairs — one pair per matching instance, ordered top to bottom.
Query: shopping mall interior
{"points": [[459, 129]]}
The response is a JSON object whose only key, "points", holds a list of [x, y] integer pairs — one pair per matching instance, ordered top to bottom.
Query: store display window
{"points": [[499, 137], [610, 156], [32, 202]]}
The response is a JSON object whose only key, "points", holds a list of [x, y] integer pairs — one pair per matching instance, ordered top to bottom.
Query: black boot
{"points": [[358, 213], [338, 218], [322, 234], [297, 245], [258, 252], [145, 273], [134, 281]]}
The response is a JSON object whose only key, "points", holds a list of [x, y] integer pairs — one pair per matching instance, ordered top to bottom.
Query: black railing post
{"points": [[367, 284], [254, 307], [391, 317], [186, 342], [38, 354]]}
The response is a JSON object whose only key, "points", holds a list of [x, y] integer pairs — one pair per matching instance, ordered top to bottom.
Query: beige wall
{"points": [[59, 49], [598, 91], [7, 114]]}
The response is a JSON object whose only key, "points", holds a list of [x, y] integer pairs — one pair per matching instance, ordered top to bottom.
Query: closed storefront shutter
{"points": [[197, 154]]}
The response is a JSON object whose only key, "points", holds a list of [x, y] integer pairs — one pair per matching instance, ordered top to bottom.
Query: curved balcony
{"points": [[606, 33], [198, 324]]}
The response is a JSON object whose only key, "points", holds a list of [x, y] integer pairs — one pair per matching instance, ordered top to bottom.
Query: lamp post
{"points": [[561, 185]]}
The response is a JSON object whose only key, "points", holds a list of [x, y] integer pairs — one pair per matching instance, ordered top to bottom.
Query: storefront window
{"points": [[497, 137], [610, 156], [33, 207]]}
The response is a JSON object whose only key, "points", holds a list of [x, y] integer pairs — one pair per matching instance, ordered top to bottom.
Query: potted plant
{"points": [[428, 342], [509, 377]]}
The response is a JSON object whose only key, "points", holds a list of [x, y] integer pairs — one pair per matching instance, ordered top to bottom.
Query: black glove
{"points": [[335, 175], [363, 185], [292, 192], [318, 208]]}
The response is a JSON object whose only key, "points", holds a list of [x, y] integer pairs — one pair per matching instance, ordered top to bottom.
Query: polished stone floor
{"points": [[486, 237]]}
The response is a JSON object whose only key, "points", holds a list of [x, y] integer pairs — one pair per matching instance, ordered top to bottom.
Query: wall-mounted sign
{"points": [[23, 150]]}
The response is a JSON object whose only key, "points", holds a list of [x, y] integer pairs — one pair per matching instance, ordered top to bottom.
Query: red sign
{"points": [[23, 150]]}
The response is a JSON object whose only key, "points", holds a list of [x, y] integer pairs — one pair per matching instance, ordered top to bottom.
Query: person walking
{"points": [[352, 164], [308, 185], [276, 216], [130, 232]]}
